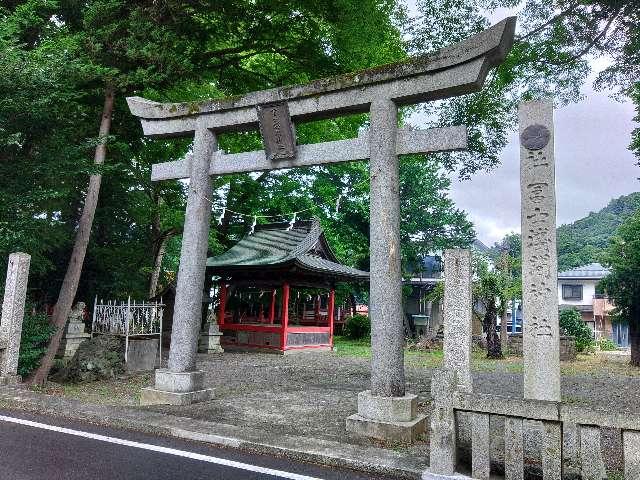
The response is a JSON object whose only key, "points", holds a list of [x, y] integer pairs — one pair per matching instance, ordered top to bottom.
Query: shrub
{"points": [[571, 324], [358, 327], [36, 332], [607, 345]]}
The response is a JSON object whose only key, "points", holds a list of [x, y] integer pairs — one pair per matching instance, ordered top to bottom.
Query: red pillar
{"points": [[223, 303], [330, 307], [272, 309], [285, 315]]}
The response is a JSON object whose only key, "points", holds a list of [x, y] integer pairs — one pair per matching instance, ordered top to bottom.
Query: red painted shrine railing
{"points": [[283, 330]]}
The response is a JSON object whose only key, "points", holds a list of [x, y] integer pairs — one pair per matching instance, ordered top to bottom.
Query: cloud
{"points": [[593, 165]]}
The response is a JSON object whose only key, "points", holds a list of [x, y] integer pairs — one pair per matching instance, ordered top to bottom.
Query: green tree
{"points": [[83, 52], [549, 59], [635, 141], [507, 257], [623, 283], [487, 289], [571, 323]]}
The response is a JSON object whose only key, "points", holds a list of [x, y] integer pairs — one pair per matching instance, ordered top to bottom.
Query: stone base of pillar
{"points": [[210, 339], [10, 379], [176, 388], [394, 419]]}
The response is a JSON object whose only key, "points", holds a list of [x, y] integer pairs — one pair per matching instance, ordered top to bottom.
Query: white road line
{"points": [[156, 448]]}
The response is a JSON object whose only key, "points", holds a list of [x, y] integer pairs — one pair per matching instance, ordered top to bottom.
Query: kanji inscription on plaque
{"points": [[277, 131]]}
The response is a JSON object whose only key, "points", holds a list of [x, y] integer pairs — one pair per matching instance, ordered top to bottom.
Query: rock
{"points": [[100, 358]]}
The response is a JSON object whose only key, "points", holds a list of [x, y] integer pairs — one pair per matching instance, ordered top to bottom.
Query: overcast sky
{"points": [[593, 165]]}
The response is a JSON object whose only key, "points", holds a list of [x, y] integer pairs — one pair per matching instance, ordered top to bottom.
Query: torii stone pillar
{"points": [[456, 70], [15, 294], [540, 331], [387, 337], [181, 383]]}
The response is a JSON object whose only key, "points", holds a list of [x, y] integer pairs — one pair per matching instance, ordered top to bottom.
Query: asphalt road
{"points": [[41, 447]]}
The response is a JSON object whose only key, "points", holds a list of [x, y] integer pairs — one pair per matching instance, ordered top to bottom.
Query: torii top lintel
{"points": [[454, 70]]}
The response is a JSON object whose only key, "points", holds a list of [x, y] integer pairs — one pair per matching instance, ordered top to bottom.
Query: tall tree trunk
{"points": [[157, 261], [74, 268], [490, 324], [504, 335], [634, 335]]}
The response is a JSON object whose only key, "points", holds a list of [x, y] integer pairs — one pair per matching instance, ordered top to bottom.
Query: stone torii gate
{"points": [[455, 70]]}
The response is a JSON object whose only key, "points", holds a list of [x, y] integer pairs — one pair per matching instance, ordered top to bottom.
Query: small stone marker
{"points": [[15, 294], [457, 316], [74, 333], [541, 335], [210, 337], [442, 448]]}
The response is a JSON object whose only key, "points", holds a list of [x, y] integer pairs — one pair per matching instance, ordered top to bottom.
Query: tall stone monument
{"points": [[455, 70], [15, 294], [458, 316], [541, 332], [455, 375]]}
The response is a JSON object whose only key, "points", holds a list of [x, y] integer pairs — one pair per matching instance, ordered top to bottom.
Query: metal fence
{"points": [[128, 319]]}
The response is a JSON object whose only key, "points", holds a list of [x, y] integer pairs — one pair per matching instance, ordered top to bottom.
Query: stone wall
{"points": [[567, 347]]}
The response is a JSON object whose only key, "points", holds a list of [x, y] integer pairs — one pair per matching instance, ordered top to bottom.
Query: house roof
{"points": [[479, 246], [303, 249], [593, 271]]}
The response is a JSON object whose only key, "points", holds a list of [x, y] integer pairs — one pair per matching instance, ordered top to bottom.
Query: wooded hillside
{"points": [[585, 240]]}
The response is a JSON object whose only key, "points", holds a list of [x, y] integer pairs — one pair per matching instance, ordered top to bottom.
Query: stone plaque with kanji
{"points": [[277, 131]]}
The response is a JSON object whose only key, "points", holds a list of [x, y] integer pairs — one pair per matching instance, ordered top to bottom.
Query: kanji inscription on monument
{"points": [[277, 131], [539, 264]]}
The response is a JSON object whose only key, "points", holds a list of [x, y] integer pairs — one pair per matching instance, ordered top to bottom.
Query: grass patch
{"points": [[345, 347], [583, 365], [597, 366], [124, 390]]}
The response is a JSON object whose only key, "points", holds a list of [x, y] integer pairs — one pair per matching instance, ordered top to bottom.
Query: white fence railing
{"points": [[128, 319]]}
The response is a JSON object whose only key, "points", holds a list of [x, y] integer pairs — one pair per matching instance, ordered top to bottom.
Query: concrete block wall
{"points": [[567, 347]]}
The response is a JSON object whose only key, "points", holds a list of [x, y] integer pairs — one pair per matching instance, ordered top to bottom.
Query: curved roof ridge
{"points": [[309, 241]]}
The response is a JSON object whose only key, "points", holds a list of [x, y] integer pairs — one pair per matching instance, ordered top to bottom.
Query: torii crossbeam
{"points": [[455, 70]]}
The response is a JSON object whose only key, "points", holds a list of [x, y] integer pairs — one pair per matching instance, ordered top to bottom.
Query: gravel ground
{"points": [[312, 393]]}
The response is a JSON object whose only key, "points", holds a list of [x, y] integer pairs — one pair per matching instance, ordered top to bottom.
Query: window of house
{"points": [[572, 292]]}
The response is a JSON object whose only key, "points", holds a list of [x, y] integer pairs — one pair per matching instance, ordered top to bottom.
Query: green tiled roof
{"points": [[304, 247]]}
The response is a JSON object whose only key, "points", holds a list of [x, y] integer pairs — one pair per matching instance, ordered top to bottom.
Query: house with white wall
{"points": [[577, 289]]}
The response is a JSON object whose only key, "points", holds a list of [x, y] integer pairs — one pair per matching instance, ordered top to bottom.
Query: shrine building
{"points": [[277, 289]]}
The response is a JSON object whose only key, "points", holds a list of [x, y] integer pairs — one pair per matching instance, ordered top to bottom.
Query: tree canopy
{"points": [[57, 57], [623, 283]]}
